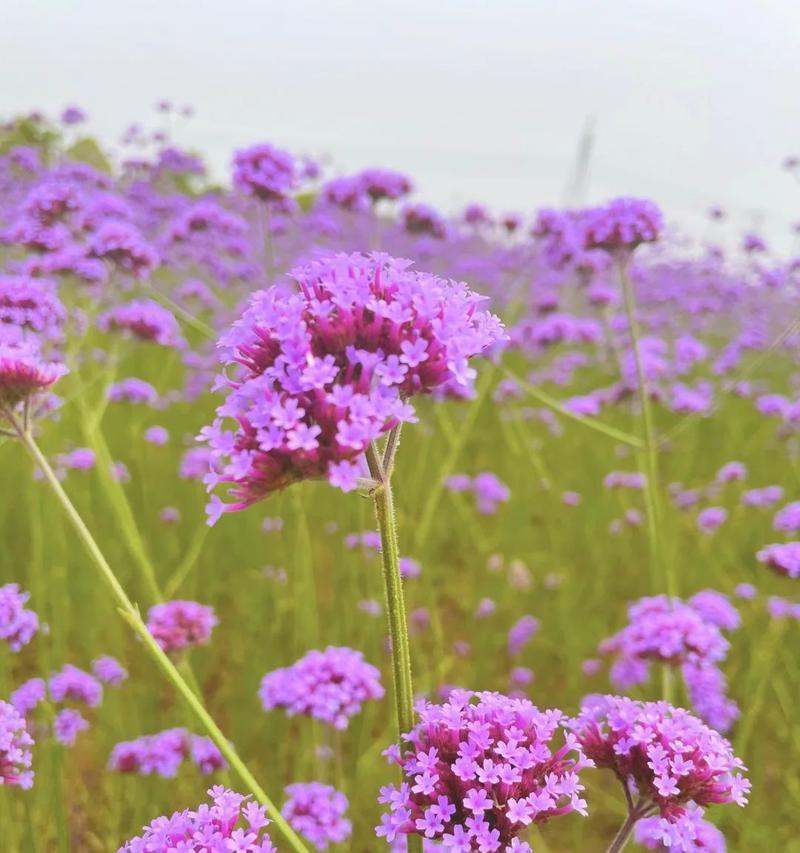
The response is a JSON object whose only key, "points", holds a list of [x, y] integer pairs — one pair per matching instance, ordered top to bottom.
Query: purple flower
{"points": [[265, 172], [384, 184], [423, 219], [622, 224], [121, 244], [31, 304], [145, 320], [325, 371], [24, 374], [132, 390], [157, 435], [80, 459], [731, 473], [489, 491], [764, 497], [711, 518], [787, 519], [783, 558], [745, 591], [716, 607], [17, 624], [179, 625], [521, 633], [109, 670], [72, 683], [330, 686], [29, 695], [67, 725], [15, 748], [162, 754], [663, 755], [478, 770], [317, 812], [230, 823], [693, 834]]}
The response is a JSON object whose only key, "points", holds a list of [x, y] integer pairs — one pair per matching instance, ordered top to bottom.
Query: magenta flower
{"points": [[265, 172], [622, 224], [121, 244], [31, 304], [145, 320], [327, 370], [24, 374], [783, 558], [17, 624], [179, 625], [521, 633], [109, 670], [73, 683], [330, 686], [29, 695], [67, 725], [15, 748], [162, 754], [665, 758], [478, 770], [317, 812], [230, 823], [693, 835]]}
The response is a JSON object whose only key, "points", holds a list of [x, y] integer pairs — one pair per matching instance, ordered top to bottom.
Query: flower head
{"points": [[265, 172], [622, 224], [144, 319], [324, 371], [24, 374], [782, 557], [17, 623], [178, 625], [330, 686], [15, 748], [479, 769], [317, 812]]}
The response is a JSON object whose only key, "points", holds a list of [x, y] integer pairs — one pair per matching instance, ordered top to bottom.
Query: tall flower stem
{"points": [[660, 566], [396, 609], [130, 613], [636, 812]]}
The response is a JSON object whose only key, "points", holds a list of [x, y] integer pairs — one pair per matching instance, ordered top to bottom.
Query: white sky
{"points": [[695, 101]]}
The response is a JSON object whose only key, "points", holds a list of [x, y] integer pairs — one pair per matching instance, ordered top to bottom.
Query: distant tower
{"points": [[575, 191]]}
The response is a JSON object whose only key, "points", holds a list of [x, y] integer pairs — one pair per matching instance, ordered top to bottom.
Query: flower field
{"points": [[294, 464]]}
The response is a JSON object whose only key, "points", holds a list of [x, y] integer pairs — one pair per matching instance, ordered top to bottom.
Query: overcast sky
{"points": [[696, 102]]}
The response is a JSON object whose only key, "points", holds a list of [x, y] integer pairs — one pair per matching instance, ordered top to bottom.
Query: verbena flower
{"points": [[265, 172], [621, 224], [122, 244], [32, 305], [145, 320], [325, 370], [24, 374], [132, 390], [783, 558], [17, 624], [178, 625], [521, 633], [109, 670], [73, 683], [328, 685], [29, 695], [67, 725], [15, 748], [163, 753], [664, 756], [478, 770], [317, 812], [229, 823], [693, 835]]}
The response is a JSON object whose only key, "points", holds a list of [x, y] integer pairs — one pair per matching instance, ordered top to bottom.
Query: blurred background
{"points": [[693, 104]]}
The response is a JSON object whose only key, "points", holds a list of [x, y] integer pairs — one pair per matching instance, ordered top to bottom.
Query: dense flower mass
{"points": [[622, 224], [144, 319], [328, 369], [783, 558], [17, 624], [179, 625], [330, 685], [15, 748], [162, 754], [662, 755], [481, 768], [316, 811], [229, 823], [693, 835]]}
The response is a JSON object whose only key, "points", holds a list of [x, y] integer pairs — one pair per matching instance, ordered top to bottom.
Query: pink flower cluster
{"points": [[329, 369], [17, 623], [179, 625], [330, 686], [15, 748], [162, 754], [478, 770], [317, 812]]}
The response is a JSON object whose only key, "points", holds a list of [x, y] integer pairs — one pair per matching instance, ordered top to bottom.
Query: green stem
{"points": [[648, 457], [393, 583], [130, 613], [624, 834]]}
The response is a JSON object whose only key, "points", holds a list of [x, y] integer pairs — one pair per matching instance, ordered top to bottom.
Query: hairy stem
{"points": [[130, 613]]}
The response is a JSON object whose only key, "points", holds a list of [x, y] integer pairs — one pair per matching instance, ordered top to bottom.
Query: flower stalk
{"points": [[130, 613]]}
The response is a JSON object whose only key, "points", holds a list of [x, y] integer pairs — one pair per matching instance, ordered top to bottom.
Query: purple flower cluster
{"points": [[265, 172], [622, 224], [122, 245], [31, 305], [145, 320], [329, 369], [24, 374], [132, 390], [489, 490], [783, 558], [17, 624], [179, 625], [521, 633], [679, 634], [109, 670], [75, 684], [330, 686], [67, 725], [15, 748], [162, 754], [662, 755], [478, 770], [317, 812], [230, 823], [694, 834]]}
